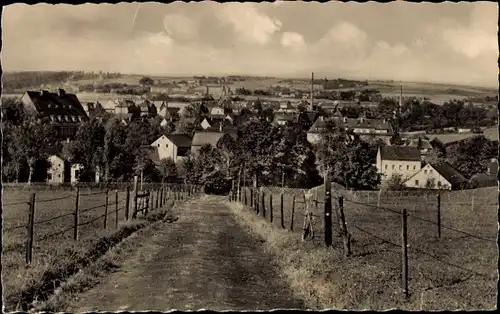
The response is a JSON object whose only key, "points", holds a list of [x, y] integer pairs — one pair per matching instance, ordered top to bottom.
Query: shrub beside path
{"points": [[204, 260]]}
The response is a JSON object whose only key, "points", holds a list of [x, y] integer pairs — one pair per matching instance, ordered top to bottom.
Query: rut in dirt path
{"points": [[205, 260]]}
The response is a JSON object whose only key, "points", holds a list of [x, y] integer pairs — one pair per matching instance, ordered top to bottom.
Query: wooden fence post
{"points": [[148, 197], [251, 197], [127, 203], [263, 203], [271, 207], [116, 209], [106, 210], [281, 211], [328, 212], [134, 213], [293, 213], [439, 215], [30, 226], [75, 230], [346, 237], [404, 252]]}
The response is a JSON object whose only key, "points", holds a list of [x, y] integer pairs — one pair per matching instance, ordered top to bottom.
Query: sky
{"points": [[446, 42]]}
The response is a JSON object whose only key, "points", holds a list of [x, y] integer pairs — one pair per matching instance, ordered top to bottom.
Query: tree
{"points": [[146, 81], [33, 140], [86, 148], [472, 155], [349, 162], [167, 169], [395, 183], [430, 183]]}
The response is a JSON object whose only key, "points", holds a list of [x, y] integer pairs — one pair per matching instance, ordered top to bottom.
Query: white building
{"points": [[398, 160], [436, 176]]}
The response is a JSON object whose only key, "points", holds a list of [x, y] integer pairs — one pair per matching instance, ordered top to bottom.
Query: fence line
{"points": [[144, 198], [308, 204]]}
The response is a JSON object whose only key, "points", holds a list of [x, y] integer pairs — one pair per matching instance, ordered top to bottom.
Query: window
{"points": [[158, 145], [166, 145], [59, 165], [393, 166], [385, 167], [400, 167], [407, 167], [414, 167], [425, 171], [430, 171], [77, 173], [59, 175], [49, 176], [416, 182], [439, 184]]}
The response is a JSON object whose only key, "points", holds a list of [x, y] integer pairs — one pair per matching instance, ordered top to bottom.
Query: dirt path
{"points": [[205, 260]]}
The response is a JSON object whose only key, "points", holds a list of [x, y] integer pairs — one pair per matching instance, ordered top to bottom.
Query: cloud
{"points": [[180, 25], [250, 25], [476, 39], [293, 40]]}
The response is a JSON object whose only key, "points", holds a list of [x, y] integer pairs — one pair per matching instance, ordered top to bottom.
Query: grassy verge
{"points": [[111, 260], [370, 279], [27, 286]]}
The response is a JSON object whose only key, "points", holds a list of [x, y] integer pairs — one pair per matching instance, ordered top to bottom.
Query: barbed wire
{"points": [[54, 199], [16, 203], [53, 218], [14, 228], [46, 237], [422, 252]]}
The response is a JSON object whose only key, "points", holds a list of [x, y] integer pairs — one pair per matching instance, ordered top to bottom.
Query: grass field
{"points": [[489, 133], [54, 249], [458, 271]]}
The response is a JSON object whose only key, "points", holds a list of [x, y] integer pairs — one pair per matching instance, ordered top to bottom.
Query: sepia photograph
{"points": [[249, 156]]}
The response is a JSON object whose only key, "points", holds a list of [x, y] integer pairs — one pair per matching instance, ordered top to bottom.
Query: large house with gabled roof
{"points": [[64, 110], [398, 160]]}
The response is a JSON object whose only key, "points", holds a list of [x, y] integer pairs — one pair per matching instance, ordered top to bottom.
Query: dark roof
{"points": [[54, 104], [210, 137], [180, 140], [420, 144], [405, 153], [449, 173]]}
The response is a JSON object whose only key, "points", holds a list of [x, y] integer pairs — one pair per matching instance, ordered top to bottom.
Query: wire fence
{"points": [[30, 223], [446, 228]]}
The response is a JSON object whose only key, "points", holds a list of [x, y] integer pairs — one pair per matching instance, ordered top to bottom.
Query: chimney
{"points": [[312, 90], [61, 92], [400, 100]]}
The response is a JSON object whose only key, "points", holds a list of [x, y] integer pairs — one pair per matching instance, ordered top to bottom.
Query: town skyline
{"points": [[437, 43]]}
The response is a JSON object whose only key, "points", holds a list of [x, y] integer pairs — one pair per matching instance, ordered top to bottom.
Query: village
{"points": [[219, 111]]}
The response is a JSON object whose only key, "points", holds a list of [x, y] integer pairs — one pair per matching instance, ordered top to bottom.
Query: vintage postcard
{"points": [[249, 156]]}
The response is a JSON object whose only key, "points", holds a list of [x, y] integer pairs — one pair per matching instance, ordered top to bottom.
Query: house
{"points": [[144, 107], [286, 107], [64, 110], [217, 111], [168, 112], [283, 119], [366, 129], [464, 130], [207, 137], [423, 145], [174, 146], [398, 160], [61, 171], [437, 176]]}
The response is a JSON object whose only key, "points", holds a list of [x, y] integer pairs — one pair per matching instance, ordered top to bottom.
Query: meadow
{"points": [[56, 254], [456, 271]]}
